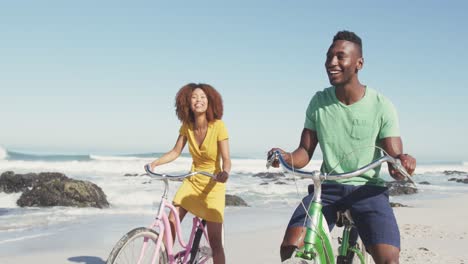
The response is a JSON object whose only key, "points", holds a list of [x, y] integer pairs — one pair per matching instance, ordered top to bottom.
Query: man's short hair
{"points": [[349, 36]]}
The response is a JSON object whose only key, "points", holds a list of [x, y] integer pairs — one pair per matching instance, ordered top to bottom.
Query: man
{"points": [[347, 120]]}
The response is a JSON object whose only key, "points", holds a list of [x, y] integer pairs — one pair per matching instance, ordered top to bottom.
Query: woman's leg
{"points": [[182, 212], [215, 234]]}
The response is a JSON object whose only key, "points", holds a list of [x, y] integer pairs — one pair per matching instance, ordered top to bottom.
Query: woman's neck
{"points": [[200, 121]]}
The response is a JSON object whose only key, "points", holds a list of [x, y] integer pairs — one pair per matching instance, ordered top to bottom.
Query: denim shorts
{"points": [[369, 207]]}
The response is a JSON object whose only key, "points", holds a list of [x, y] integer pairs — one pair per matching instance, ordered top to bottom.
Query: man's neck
{"points": [[350, 93]]}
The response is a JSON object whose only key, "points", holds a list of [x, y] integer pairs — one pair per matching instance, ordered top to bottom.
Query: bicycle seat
{"points": [[344, 218]]}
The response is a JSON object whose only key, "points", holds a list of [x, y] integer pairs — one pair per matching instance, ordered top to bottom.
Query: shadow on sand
{"points": [[87, 260]]}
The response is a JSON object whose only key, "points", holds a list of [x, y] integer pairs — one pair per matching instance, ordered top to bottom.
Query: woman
{"points": [[200, 108]]}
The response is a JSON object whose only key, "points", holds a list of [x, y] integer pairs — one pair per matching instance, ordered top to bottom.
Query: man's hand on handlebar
{"points": [[275, 162], [408, 162]]}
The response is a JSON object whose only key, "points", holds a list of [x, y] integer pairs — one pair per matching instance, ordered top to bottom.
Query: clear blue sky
{"points": [[101, 76]]}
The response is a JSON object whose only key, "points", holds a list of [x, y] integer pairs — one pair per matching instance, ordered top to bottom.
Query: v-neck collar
{"points": [[199, 147]]}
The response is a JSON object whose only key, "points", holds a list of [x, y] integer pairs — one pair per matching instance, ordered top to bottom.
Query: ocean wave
{"points": [[3, 153], [12, 155], [110, 158]]}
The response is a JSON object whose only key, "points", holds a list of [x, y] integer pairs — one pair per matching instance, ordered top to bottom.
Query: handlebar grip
{"points": [[271, 158], [399, 167], [147, 168]]}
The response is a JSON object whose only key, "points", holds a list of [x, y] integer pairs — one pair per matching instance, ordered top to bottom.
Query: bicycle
{"points": [[145, 244], [317, 247]]}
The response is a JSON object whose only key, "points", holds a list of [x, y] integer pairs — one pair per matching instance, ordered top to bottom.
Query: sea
{"points": [[139, 194]]}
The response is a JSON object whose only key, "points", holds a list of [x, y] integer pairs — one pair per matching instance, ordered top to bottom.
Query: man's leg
{"points": [[376, 223], [293, 238], [384, 254]]}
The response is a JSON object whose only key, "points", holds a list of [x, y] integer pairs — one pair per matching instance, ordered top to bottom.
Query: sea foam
{"points": [[3, 153]]}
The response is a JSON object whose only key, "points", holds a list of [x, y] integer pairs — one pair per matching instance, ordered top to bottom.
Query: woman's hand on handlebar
{"points": [[151, 166], [222, 176]]}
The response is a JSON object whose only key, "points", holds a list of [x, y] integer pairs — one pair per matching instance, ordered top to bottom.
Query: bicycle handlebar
{"points": [[276, 155], [174, 177]]}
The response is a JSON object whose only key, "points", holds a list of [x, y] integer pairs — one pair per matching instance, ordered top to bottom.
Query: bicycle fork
{"points": [[316, 242], [348, 246]]}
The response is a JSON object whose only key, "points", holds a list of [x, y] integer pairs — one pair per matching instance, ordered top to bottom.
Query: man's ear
{"points": [[360, 63]]}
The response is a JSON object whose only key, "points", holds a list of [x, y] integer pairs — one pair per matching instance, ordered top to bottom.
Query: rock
{"points": [[455, 172], [131, 174], [269, 175], [459, 180], [11, 182], [280, 183], [425, 183], [400, 187], [52, 189], [64, 192], [233, 200], [392, 204]]}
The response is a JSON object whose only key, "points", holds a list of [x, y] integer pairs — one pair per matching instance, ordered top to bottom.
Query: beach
{"points": [[432, 226], [432, 231]]}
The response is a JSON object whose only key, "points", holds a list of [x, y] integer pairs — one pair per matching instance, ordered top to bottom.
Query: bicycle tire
{"points": [[138, 235], [204, 252], [353, 258], [296, 260]]}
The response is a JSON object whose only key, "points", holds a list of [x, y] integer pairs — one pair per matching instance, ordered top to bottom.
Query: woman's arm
{"points": [[223, 147], [172, 154]]}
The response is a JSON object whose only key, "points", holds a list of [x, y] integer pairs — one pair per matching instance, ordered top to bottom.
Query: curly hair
{"points": [[349, 36], [183, 101]]}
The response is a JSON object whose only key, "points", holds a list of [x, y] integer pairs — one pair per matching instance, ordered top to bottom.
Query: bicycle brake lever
{"points": [[397, 165]]}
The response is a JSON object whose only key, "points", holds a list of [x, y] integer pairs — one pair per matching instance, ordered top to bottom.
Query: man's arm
{"points": [[394, 147], [300, 157]]}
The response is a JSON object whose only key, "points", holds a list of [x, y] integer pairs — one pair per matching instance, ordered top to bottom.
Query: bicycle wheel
{"points": [[138, 244], [204, 252], [366, 256], [353, 258], [296, 260]]}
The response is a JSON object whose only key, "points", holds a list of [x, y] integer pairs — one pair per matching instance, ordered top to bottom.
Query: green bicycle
{"points": [[317, 247]]}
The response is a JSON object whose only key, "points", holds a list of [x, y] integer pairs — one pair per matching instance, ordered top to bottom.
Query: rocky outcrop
{"points": [[455, 173], [269, 175], [459, 180], [12, 183], [396, 188], [52, 189], [64, 192], [233, 200], [392, 204]]}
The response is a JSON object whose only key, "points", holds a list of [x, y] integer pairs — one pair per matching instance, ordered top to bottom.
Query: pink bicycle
{"points": [[145, 245]]}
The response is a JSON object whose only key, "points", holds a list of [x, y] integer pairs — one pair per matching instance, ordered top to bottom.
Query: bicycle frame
{"points": [[162, 224], [317, 241]]}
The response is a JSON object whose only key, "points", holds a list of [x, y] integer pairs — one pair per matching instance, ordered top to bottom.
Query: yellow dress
{"points": [[199, 194]]}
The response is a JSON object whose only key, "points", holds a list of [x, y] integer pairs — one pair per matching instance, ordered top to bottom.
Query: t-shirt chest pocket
{"points": [[360, 129]]}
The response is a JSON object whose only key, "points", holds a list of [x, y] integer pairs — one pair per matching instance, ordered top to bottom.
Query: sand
{"points": [[433, 231]]}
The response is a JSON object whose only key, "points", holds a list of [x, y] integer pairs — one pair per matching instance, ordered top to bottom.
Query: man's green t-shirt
{"points": [[347, 134]]}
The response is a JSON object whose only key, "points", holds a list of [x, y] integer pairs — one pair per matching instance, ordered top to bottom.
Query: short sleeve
{"points": [[311, 118], [389, 123], [183, 130], [222, 131]]}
